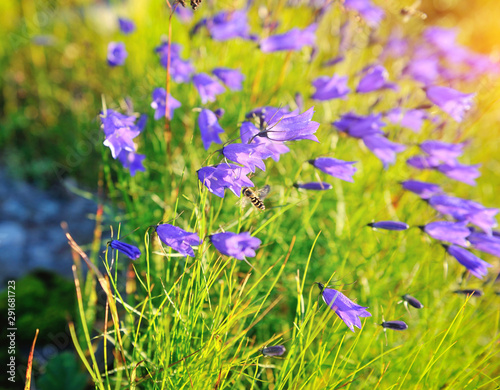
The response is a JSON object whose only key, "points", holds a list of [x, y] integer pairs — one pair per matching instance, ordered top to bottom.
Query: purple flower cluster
{"points": [[180, 70]]}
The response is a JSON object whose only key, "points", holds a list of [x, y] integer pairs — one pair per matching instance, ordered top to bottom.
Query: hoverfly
{"points": [[194, 3], [412, 10], [255, 196]]}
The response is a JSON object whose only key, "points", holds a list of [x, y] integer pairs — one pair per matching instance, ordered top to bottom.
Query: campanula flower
{"points": [[184, 14], [372, 14], [228, 25], [127, 26], [440, 37], [295, 39], [116, 53], [180, 70], [425, 70], [232, 78], [374, 78], [207, 87], [328, 88], [451, 101], [159, 103], [267, 114], [411, 119], [359, 126], [209, 128], [292, 128], [120, 130], [274, 148], [384, 149], [443, 151], [248, 155], [132, 161], [423, 162], [336, 168], [464, 173], [219, 177], [314, 186], [421, 188], [389, 225], [452, 232], [178, 239], [485, 243], [235, 245], [128, 250], [474, 264], [473, 292], [412, 301], [347, 310], [394, 325], [275, 350]]}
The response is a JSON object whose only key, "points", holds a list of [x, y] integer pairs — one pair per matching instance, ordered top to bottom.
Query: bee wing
{"points": [[264, 191]]}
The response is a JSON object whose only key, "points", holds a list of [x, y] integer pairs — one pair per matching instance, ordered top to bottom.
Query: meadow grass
{"points": [[180, 323]]}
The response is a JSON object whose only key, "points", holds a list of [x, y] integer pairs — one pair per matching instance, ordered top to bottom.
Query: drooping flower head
{"points": [[372, 14], [228, 25], [127, 26], [295, 39], [116, 53], [180, 70], [232, 78], [374, 78], [207, 87], [328, 88], [159, 96], [451, 101], [412, 119], [359, 126], [292, 127], [209, 128], [120, 130], [273, 148], [384, 149], [442, 151], [248, 155], [132, 161], [423, 162], [334, 167], [465, 173], [219, 177], [314, 186], [421, 188], [388, 225], [452, 232], [178, 239], [485, 243], [239, 246], [128, 250], [474, 264], [412, 301], [347, 310], [394, 325], [275, 350]]}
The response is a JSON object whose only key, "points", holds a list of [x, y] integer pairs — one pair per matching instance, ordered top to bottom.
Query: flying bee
{"points": [[408, 12], [256, 196]]}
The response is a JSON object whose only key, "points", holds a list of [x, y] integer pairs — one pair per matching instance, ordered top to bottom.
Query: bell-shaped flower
{"points": [[372, 14], [228, 25], [127, 26], [295, 39], [116, 54], [180, 70], [232, 78], [374, 78], [207, 87], [328, 88], [159, 96], [451, 101], [411, 119], [359, 126], [209, 128], [292, 128], [120, 130], [273, 149], [384, 149], [443, 151], [248, 155], [132, 161], [423, 162], [334, 167], [465, 173], [218, 178], [314, 186], [421, 188], [389, 225], [452, 232], [178, 239], [485, 243], [235, 245], [128, 250], [474, 264], [347, 310], [394, 325]]}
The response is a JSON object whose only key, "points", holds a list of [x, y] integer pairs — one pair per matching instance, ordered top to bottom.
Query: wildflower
{"points": [[184, 14], [372, 14], [228, 25], [127, 26], [441, 37], [295, 39], [116, 53], [180, 70], [424, 70], [233, 78], [374, 78], [207, 87], [330, 88], [159, 96], [451, 101], [268, 114], [411, 119], [360, 126], [209, 128], [292, 128], [120, 130], [274, 148], [384, 149], [443, 151], [248, 155], [132, 161], [423, 162], [336, 168], [464, 173], [218, 178], [315, 186], [421, 188], [389, 225], [453, 232], [178, 239], [485, 243], [235, 245], [128, 250], [474, 264], [473, 292], [412, 301], [347, 310], [394, 325], [275, 350]]}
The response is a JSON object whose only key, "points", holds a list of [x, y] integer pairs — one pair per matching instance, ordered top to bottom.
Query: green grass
{"points": [[181, 323]]}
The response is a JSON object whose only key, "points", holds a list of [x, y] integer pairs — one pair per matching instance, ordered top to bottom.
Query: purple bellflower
{"points": [[184, 14], [372, 14], [228, 25], [127, 26], [441, 37], [295, 39], [116, 53], [180, 70], [424, 70], [233, 78], [374, 78], [207, 87], [330, 88], [159, 96], [451, 101], [268, 114], [411, 119], [360, 126], [292, 127], [209, 128], [120, 130], [272, 148], [384, 149], [443, 151], [248, 155], [132, 161], [423, 162], [336, 168], [464, 173], [218, 178], [314, 186], [421, 188], [389, 225], [452, 232], [178, 239], [485, 243], [235, 245], [128, 250], [474, 264], [474, 292], [412, 301], [347, 310], [394, 325], [275, 350]]}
